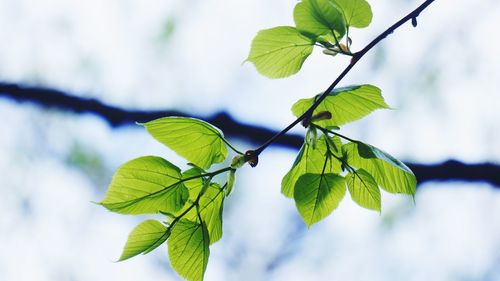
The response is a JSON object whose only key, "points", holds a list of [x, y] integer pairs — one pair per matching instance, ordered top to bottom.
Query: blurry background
{"points": [[186, 55]]}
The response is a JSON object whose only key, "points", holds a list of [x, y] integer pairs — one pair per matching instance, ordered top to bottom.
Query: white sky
{"points": [[441, 77]]}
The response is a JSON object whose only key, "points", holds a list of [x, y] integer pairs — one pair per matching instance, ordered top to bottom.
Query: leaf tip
{"points": [[97, 203]]}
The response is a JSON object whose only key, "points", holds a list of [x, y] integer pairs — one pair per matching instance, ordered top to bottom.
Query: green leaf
{"points": [[357, 13], [319, 17], [280, 51], [345, 104], [194, 139], [311, 160], [391, 174], [231, 177], [193, 182], [146, 185], [364, 190], [317, 195], [210, 206], [144, 238], [188, 249]]}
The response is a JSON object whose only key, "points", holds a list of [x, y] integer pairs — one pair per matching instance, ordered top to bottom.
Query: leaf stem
{"points": [[355, 58], [325, 130], [232, 147], [214, 173]]}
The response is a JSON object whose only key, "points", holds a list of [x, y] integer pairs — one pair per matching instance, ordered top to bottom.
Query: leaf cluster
{"points": [[281, 51], [329, 163], [327, 166], [191, 201]]}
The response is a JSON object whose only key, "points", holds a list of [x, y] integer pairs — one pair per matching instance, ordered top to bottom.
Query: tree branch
{"points": [[116, 117]]}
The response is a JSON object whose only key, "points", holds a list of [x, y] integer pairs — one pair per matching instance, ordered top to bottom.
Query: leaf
{"points": [[357, 13], [319, 17], [280, 51], [345, 104], [194, 139], [311, 160], [391, 174], [231, 177], [193, 182], [146, 185], [364, 190], [317, 195], [210, 206], [144, 238], [188, 249]]}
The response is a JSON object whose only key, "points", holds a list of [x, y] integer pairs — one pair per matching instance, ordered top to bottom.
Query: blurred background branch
{"points": [[450, 170]]}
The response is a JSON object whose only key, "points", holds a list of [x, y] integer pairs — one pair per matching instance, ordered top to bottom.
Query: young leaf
{"points": [[357, 13], [319, 17], [280, 51], [345, 104], [195, 140], [311, 160], [391, 174], [231, 177], [194, 182], [146, 185], [364, 190], [317, 195], [210, 206], [144, 238], [188, 249]]}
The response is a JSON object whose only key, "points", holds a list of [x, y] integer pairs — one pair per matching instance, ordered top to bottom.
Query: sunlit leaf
{"points": [[357, 13], [319, 17], [280, 51], [345, 104], [195, 140], [311, 160], [391, 174], [231, 177], [193, 182], [146, 185], [363, 189], [317, 195], [210, 206], [144, 238], [188, 249]]}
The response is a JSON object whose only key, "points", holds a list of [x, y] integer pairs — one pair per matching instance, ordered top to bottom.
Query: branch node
{"points": [[414, 21], [252, 157]]}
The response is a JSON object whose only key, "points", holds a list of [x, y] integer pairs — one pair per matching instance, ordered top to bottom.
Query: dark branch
{"points": [[115, 116]]}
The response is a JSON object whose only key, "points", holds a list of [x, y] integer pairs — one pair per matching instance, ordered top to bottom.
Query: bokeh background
{"points": [[441, 78]]}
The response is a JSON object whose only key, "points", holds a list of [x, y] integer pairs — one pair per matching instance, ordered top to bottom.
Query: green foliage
{"points": [[357, 13], [319, 17], [279, 52], [345, 105], [196, 140], [312, 159], [327, 164], [391, 174], [230, 182], [146, 185], [363, 189], [317, 195], [190, 200], [210, 209], [144, 238], [188, 249]]}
